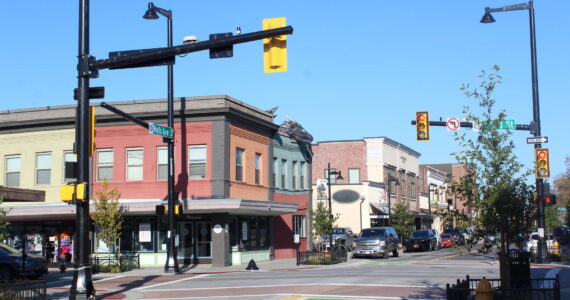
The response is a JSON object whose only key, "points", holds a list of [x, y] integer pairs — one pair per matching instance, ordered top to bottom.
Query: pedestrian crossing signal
{"points": [[422, 126], [550, 200]]}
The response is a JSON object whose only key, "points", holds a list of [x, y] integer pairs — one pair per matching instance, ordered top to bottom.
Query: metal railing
{"points": [[321, 257], [124, 262], [536, 289], [24, 290]]}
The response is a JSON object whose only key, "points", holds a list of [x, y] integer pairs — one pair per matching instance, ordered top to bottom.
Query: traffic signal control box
{"points": [[274, 48], [422, 126], [542, 160]]}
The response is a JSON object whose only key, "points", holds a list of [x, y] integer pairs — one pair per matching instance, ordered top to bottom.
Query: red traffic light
{"points": [[550, 199]]}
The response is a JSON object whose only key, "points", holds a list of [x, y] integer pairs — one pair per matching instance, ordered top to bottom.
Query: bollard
{"points": [[484, 290]]}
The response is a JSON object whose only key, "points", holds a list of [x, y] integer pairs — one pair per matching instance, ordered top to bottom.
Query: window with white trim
{"points": [[68, 156], [197, 156], [162, 163], [134, 164], [239, 164], [105, 165], [13, 166], [43, 168], [257, 168], [294, 175], [353, 175], [303, 176], [299, 225]]}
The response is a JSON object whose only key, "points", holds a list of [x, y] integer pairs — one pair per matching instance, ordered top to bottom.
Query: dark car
{"points": [[422, 240], [376, 241], [11, 261]]}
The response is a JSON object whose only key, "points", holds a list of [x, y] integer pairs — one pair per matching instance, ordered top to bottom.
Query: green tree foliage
{"points": [[495, 184], [562, 190], [108, 214], [551, 219], [402, 220], [323, 222], [3, 223]]}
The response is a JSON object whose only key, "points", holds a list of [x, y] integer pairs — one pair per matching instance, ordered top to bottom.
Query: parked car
{"points": [[341, 236], [438, 237], [458, 237], [490, 239], [421, 240], [447, 240], [376, 241], [532, 242], [11, 264]]}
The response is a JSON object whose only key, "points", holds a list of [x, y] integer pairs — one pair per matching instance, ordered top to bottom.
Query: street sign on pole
{"points": [[453, 124], [163, 131], [537, 140]]}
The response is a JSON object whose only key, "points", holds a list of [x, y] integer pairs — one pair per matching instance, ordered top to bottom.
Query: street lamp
{"points": [[535, 127], [338, 177], [390, 180], [171, 257]]}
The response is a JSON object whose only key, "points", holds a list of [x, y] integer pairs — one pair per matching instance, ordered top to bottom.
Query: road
{"points": [[420, 275]]}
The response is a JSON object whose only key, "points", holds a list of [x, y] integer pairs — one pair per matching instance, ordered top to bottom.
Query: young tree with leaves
{"points": [[495, 186], [562, 190], [108, 214], [402, 221], [323, 222], [3, 223]]}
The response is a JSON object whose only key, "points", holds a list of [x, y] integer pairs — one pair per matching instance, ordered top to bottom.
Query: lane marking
{"points": [[109, 278], [168, 282], [294, 284], [340, 297]]}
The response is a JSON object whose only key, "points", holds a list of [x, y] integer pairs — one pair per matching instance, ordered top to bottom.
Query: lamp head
{"points": [[150, 12], [487, 17], [339, 177]]}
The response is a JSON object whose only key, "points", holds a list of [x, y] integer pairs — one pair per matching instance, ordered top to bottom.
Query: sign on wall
{"points": [[322, 189], [144, 233]]}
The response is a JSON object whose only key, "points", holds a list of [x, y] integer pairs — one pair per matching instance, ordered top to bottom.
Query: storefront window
{"points": [[253, 233], [163, 234], [204, 234], [233, 234], [143, 235], [127, 240]]}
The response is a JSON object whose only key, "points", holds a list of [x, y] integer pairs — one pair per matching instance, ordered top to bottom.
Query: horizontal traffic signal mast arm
{"points": [[161, 53], [125, 115], [470, 125]]}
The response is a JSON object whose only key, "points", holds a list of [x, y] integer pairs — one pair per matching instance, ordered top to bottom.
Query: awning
{"points": [[382, 207], [56, 211]]}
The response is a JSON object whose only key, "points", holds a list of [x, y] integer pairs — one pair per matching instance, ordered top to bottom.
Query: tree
{"points": [[495, 185], [562, 190], [108, 214], [551, 218], [402, 221], [323, 222], [3, 223]]}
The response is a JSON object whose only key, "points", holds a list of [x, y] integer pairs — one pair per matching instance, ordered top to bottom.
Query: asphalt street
{"points": [[417, 275]]}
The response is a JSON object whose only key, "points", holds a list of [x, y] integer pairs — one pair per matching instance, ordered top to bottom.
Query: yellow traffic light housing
{"points": [[274, 48], [422, 126], [542, 163], [71, 192], [178, 209], [162, 210]]}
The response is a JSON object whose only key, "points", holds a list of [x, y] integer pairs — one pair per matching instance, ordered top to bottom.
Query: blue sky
{"points": [[356, 68]]}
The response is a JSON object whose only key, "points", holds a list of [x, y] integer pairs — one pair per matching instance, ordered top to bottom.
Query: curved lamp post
{"points": [[535, 127], [338, 177], [171, 258]]}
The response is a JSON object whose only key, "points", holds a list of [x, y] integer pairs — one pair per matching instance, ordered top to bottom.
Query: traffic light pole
{"points": [[82, 284]]}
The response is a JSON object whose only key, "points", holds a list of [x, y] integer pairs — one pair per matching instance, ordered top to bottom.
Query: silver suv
{"points": [[341, 236], [376, 241]]}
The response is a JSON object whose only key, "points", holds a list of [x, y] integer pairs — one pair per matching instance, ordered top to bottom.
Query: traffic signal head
{"points": [[274, 48], [422, 126], [542, 163], [71, 192], [550, 199], [161, 210]]}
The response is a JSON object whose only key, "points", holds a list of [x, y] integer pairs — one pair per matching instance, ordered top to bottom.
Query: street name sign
{"points": [[160, 130], [537, 140]]}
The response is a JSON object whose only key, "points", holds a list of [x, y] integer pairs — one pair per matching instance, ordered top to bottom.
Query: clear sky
{"points": [[356, 68]]}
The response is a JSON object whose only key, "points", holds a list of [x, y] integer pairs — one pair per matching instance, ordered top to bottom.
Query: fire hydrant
{"points": [[484, 290]]}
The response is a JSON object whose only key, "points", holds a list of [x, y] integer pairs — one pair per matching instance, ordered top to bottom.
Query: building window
{"points": [[68, 156], [197, 162], [162, 163], [134, 164], [239, 164], [105, 165], [13, 166], [43, 168], [257, 168], [275, 168], [283, 170], [294, 175], [303, 175], [353, 175], [332, 177], [412, 187], [299, 226], [253, 233]]}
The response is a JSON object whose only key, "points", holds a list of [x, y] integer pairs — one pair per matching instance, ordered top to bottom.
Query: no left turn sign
{"points": [[453, 124]]}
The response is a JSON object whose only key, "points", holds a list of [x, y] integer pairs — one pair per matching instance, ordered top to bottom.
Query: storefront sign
{"points": [[218, 228], [144, 233]]}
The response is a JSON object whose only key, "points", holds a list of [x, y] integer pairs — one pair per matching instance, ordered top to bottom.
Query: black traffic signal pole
{"points": [[87, 67]]}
